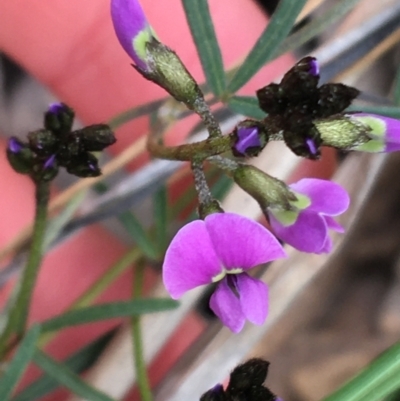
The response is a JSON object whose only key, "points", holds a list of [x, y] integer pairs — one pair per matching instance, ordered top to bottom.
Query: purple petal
{"points": [[129, 21], [314, 66], [56, 108], [247, 138], [14, 145], [311, 146], [50, 161], [326, 197], [333, 224], [307, 234], [240, 242], [190, 260], [253, 295], [226, 306]]}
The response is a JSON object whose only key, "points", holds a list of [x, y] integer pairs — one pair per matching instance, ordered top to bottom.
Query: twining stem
{"points": [[198, 151], [18, 314], [138, 351]]}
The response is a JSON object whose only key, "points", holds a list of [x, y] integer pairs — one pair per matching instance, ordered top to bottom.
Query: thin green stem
{"points": [[199, 150], [18, 314], [138, 352]]}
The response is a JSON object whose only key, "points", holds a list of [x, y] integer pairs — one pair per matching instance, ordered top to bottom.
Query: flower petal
{"points": [[130, 24], [326, 196], [333, 224], [307, 234], [241, 242], [190, 260], [253, 295], [226, 306]]}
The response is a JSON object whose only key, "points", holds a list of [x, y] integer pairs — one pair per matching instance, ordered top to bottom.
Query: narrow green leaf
{"points": [[280, 25], [317, 25], [202, 29], [396, 88], [247, 106], [388, 111], [131, 114], [160, 206], [137, 232], [108, 311], [78, 362], [19, 363], [377, 375], [67, 378], [378, 393], [395, 396]]}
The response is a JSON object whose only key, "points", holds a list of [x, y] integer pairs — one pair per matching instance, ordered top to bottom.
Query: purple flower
{"points": [[132, 29], [314, 66], [384, 134], [248, 137], [15, 145], [306, 226], [220, 249]]}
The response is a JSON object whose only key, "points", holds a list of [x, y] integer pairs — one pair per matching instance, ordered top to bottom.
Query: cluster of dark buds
{"points": [[307, 117], [57, 145], [245, 384]]}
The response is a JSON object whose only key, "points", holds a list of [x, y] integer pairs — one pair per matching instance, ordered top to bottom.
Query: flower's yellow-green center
{"points": [[140, 40], [377, 133], [289, 217], [224, 272]]}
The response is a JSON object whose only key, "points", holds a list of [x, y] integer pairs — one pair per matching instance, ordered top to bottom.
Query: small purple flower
{"points": [[132, 29], [314, 67], [56, 108], [384, 134], [248, 137], [14, 145], [312, 147], [306, 226], [220, 249]]}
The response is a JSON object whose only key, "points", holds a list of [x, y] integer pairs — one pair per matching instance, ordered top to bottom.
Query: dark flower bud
{"points": [[302, 79], [334, 98], [272, 99], [59, 118], [96, 137], [249, 138], [42, 142], [19, 156], [85, 165], [45, 170], [217, 393]]}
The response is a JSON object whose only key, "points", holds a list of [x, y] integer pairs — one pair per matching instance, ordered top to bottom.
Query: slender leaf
{"points": [[280, 25], [317, 25], [202, 29], [396, 88], [247, 106], [389, 111], [131, 114], [160, 206], [137, 232], [108, 311], [78, 362], [19, 363], [379, 373], [67, 378], [386, 388], [395, 396]]}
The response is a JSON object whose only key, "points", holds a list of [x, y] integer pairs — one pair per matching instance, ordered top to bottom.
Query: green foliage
{"points": [[280, 25], [202, 29], [108, 311], [19, 363]]}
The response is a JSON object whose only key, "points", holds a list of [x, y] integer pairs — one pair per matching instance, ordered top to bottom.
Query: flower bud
{"points": [[155, 61], [59, 118], [96, 137], [249, 138], [42, 142], [19, 156], [85, 165], [266, 190]]}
